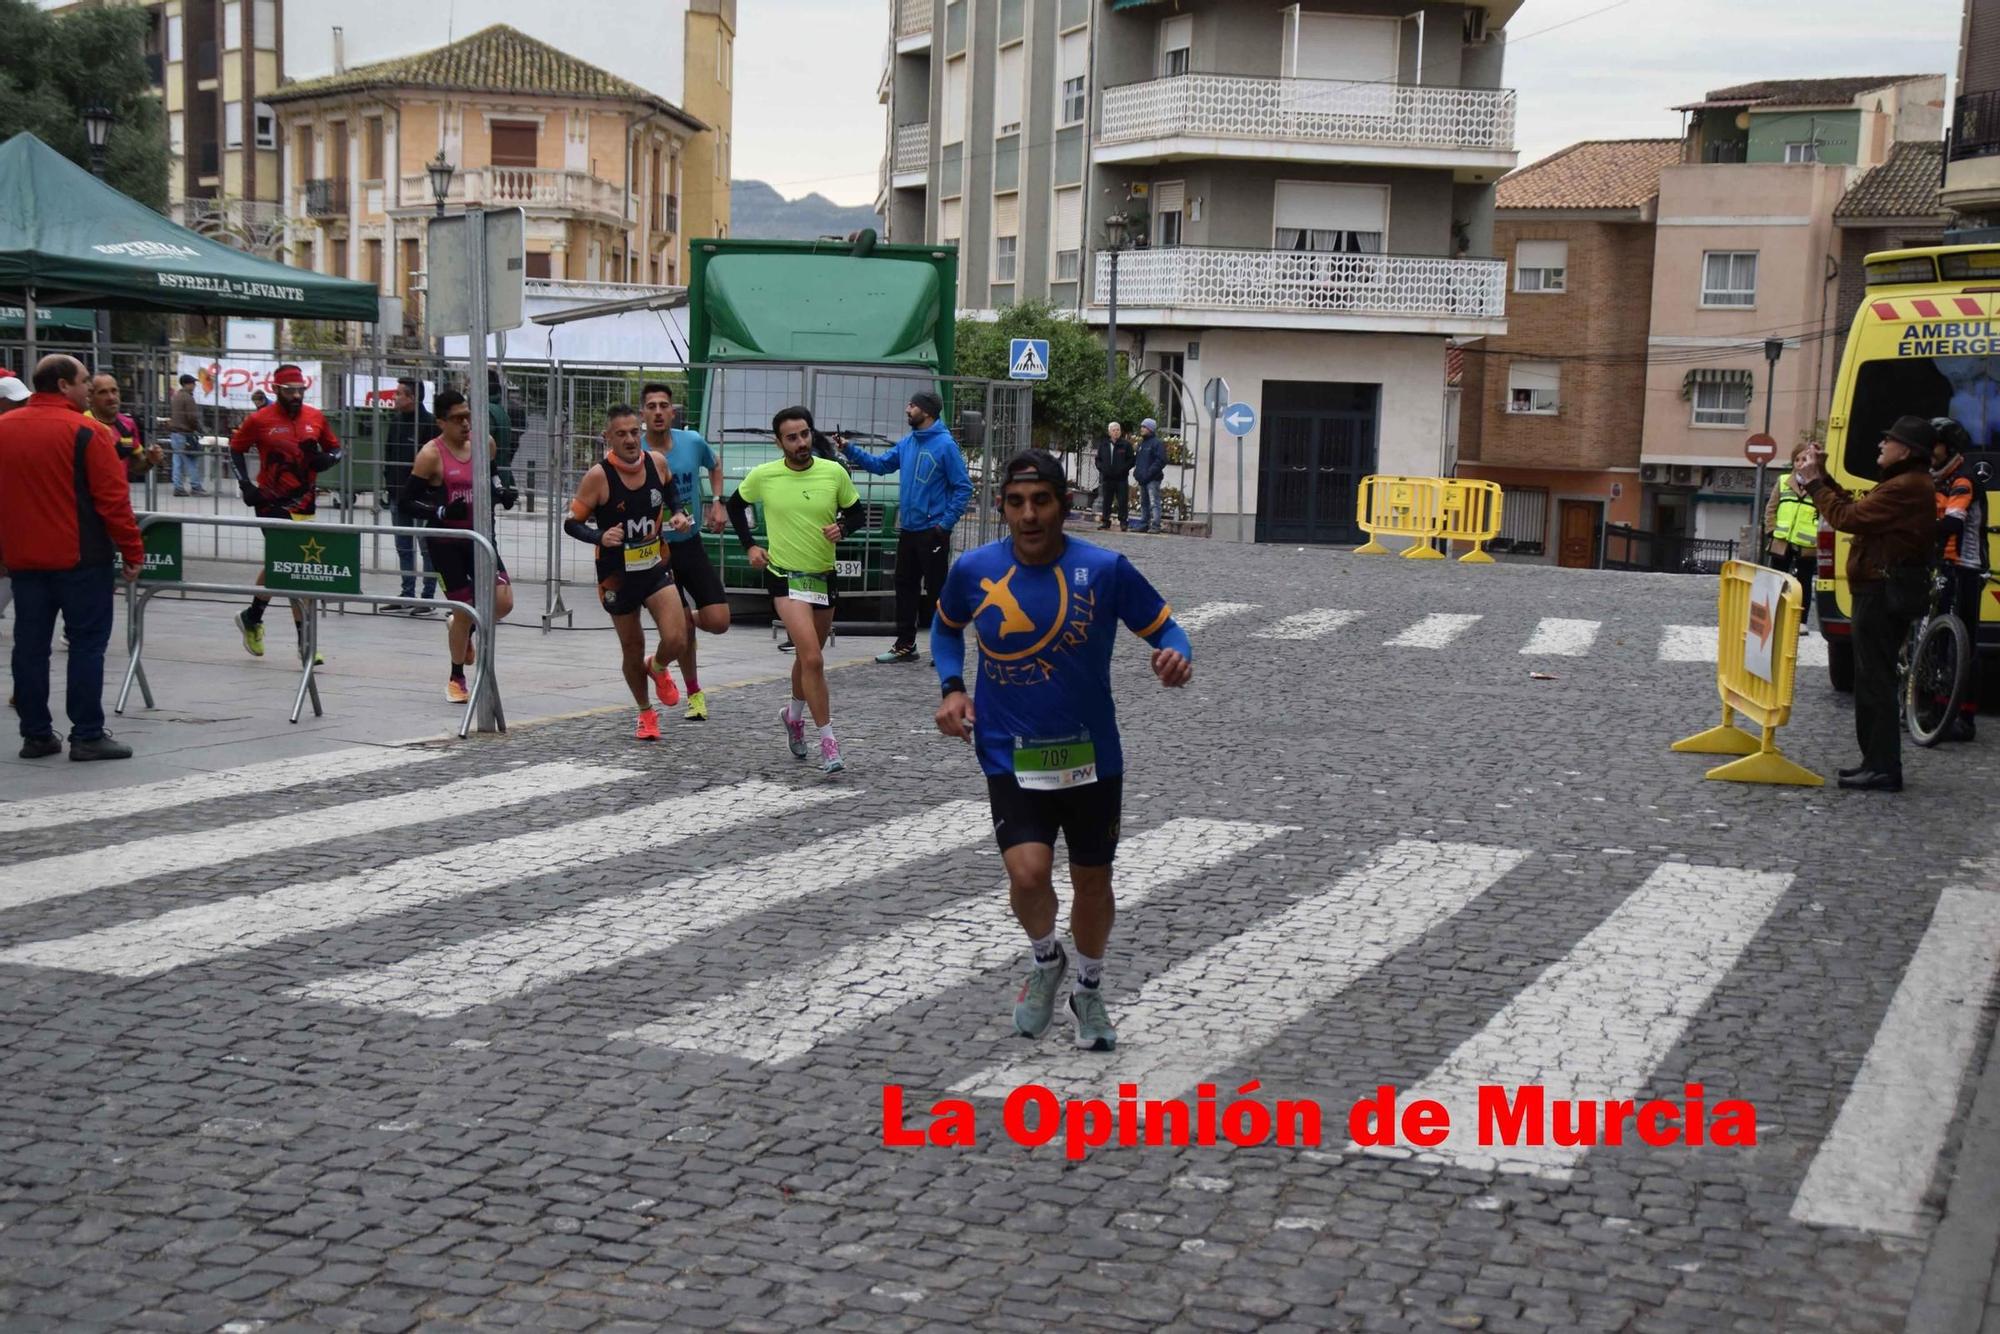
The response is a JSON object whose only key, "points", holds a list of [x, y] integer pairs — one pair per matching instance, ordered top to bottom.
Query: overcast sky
{"points": [[806, 70]]}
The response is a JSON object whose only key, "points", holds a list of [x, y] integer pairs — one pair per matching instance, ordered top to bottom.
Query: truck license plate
{"points": [[847, 569]]}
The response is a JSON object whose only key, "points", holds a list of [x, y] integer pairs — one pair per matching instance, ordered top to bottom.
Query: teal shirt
{"points": [[688, 458]]}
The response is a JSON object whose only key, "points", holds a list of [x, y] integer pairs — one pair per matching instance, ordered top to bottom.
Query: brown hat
{"points": [[1916, 432]]}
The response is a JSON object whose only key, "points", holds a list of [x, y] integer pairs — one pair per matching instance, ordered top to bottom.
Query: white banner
{"points": [[230, 382], [380, 391], [1760, 630]]}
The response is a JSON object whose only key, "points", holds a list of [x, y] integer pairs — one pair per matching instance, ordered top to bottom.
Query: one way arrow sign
{"points": [[1239, 419]]}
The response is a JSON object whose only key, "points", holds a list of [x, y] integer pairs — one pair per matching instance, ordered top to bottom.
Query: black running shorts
{"points": [[453, 558], [695, 572], [627, 594], [1088, 817]]}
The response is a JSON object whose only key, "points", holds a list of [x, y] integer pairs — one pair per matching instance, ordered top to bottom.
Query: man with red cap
{"points": [[294, 445]]}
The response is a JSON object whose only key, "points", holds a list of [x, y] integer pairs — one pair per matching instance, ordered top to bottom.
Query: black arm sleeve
{"points": [[240, 461], [418, 500], [739, 518], [854, 518], [583, 532]]}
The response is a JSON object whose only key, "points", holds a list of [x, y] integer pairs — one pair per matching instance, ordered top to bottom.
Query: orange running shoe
{"points": [[663, 681], [455, 691], [649, 725]]}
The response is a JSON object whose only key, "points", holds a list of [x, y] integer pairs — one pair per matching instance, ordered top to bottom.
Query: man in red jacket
{"points": [[294, 444], [65, 509]]}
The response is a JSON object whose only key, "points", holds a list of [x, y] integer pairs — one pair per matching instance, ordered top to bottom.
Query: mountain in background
{"points": [[757, 210]]}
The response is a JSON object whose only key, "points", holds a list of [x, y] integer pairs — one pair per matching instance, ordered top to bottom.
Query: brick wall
{"points": [[1596, 334]]}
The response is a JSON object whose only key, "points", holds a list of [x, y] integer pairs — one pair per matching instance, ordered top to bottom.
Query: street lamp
{"points": [[97, 119], [440, 172], [1114, 241], [1773, 349]]}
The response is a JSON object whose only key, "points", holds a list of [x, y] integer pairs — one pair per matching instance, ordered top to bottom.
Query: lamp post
{"points": [[97, 121], [440, 172], [1114, 241], [1773, 349]]}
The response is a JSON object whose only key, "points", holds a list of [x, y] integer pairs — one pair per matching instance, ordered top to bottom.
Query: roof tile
{"points": [[1597, 173], [1905, 185]]}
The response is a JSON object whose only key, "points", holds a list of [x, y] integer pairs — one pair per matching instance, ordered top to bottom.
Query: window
{"points": [[232, 25], [264, 25], [176, 38], [1176, 43], [724, 58], [1007, 89], [954, 101], [1073, 101], [232, 125], [266, 127], [177, 133], [514, 143], [371, 149], [1802, 152], [302, 153], [1169, 206], [1317, 216], [951, 218], [1067, 235], [1006, 236], [338, 253], [371, 261], [412, 265], [538, 265], [1541, 266], [1729, 278], [1532, 387], [1719, 402]]}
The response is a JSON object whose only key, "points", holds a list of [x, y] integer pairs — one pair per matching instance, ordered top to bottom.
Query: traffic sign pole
{"points": [[1215, 397], [1760, 449]]}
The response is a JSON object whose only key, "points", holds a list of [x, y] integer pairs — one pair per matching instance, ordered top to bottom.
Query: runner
{"points": [[294, 446], [687, 455], [438, 492], [808, 503], [621, 509], [1046, 610]]}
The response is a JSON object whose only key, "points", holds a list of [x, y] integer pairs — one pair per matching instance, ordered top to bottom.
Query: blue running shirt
{"points": [[688, 460]]}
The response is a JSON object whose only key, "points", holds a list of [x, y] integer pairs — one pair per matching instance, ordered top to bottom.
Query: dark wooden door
{"points": [[1578, 547]]}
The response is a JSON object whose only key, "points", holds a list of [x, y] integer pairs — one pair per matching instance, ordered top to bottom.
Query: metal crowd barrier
{"points": [[139, 593]]}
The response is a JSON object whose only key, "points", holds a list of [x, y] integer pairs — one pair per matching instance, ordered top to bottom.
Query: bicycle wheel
{"points": [[1940, 662]]}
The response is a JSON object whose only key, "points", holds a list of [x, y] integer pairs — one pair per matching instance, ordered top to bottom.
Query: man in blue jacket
{"points": [[1149, 471], [936, 489]]}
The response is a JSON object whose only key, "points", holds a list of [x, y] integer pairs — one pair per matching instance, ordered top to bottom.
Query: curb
{"points": [[1963, 1264]]}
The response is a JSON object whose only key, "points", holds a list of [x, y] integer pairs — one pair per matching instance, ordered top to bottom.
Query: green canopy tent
{"points": [[68, 239], [69, 318]]}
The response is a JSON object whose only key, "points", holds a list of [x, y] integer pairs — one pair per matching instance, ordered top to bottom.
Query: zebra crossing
{"points": [[1623, 993]]}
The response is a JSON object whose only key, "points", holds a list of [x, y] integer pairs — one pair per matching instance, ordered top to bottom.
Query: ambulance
{"points": [[1925, 341]]}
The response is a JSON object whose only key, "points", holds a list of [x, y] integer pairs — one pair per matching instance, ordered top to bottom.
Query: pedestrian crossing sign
{"points": [[1028, 359]]}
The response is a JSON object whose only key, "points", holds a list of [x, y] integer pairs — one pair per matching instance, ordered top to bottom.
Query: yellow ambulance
{"points": [[1925, 341]]}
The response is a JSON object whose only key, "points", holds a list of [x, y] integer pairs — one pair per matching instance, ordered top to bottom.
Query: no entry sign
{"points": [[1760, 449]]}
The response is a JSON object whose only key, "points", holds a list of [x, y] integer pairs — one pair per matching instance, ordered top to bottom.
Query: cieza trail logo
{"points": [[148, 250], [312, 565], [1003, 659]]}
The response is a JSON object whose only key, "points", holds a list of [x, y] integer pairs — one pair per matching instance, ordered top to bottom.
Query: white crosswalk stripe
{"points": [[1208, 613], [1310, 624], [1436, 630], [1559, 638], [1697, 643], [271, 776], [172, 854], [248, 921], [613, 930], [1216, 1008], [778, 1018], [1598, 1021], [1874, 1166]]}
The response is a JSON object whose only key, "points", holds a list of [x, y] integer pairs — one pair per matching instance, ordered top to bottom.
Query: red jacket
{"points": [[291, 452], [64, 501]]}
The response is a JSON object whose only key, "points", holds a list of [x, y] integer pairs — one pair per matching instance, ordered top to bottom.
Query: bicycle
{"points": [[1934, 664]]}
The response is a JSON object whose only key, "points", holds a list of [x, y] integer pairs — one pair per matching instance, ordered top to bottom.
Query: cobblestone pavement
{"points": [[561, 1031]]}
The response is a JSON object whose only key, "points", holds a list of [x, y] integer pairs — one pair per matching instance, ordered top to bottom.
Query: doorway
{"points": [[1318, 441], [1577, 546]]}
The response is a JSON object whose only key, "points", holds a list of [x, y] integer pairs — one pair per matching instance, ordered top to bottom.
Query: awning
{"points": [[71, 318], [1710, 375]]}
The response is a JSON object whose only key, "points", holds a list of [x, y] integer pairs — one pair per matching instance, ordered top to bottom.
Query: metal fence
{"points": [[1632, 549]]}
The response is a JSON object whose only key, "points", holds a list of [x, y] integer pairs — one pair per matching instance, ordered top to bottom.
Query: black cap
{"points": [[187, 379], [928, 403], [1916, 432], [1951, 435], [1034, 465]]}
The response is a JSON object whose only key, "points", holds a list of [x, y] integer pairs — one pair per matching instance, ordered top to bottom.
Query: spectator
{"points": [[12, 395], [258, 398], [184, 421], [500, 426], [410, 428], [139, 457], [1114, 466], [1149, 470], [936, 490], [65, 507], [1892, 527]]}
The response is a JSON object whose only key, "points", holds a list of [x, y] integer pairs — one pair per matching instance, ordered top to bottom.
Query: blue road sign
{"points": [[1028, 359], [1239, 419]]}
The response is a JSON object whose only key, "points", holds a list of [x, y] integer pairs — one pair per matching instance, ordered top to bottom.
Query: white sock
{"points": [[796, 710], [826, 733], [1047, 951], [1089, 972]]}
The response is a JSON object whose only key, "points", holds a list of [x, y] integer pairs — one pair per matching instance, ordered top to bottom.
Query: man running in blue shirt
{"points": [[689, 456], [936, 490], [1046, 609]]}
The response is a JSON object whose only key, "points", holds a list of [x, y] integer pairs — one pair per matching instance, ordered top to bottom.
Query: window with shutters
{"points": [[264, 24], [232, 25], [176, 38], [1176, 45], [1010, 65], [1073, 98], [953, 111], [232, 125], [265, 125], [177, 133], [514, 143], [371, 149], [302, 153], [1169, 207], [951, 215], [1321, 216], [1066, 235], [1006, 236], [338, 252], [371, 260], [412, 265], [538, 265], [1541, 266], [1729, 278], [1533, 387], [1721, 402]]}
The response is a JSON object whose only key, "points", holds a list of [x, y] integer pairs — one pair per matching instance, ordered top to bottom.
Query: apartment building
{"points": [[218, 61], [1972, 157], [597, 163], [1305, 196], [1889, 207], [1747, 251], [1554, 409]]}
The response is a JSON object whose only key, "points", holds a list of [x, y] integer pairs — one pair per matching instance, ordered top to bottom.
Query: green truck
{"points": [[851, 330]]}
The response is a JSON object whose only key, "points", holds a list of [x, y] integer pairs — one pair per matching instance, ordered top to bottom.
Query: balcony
{"points": [[913, 25], [1307, 120], [1972, 159], [912, 165], [543, 189], [326, 198], [1204, 287]]}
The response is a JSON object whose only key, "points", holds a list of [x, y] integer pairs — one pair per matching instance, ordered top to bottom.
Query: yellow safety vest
{"points": [[1798, 518]]}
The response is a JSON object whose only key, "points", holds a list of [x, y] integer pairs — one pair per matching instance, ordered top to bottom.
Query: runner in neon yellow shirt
{"points": [[808, 503]]}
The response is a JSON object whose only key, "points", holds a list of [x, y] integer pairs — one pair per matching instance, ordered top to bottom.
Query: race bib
{"points": [[642, 556], [809, 588], [1054, 763]]}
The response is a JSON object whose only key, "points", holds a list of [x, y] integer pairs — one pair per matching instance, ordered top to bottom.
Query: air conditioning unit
{"points": [[1475, 25], [1650, 472], [1683, 474]]}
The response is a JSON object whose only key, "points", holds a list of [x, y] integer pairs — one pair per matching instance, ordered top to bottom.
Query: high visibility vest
{"points": [[1798, 519]]}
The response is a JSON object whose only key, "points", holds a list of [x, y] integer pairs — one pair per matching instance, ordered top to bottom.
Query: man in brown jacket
{"points": [[1892, 527]]}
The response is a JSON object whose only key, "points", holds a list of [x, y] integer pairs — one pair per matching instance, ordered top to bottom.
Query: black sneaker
{"points": [[40, 747], [100, 748]]}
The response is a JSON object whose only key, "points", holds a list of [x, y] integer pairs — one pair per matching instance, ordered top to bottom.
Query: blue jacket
{"points": [[1152, 464], [936, 487]]}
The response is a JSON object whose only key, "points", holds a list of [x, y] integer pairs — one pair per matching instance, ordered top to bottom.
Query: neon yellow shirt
{"points": [[795, 506]]}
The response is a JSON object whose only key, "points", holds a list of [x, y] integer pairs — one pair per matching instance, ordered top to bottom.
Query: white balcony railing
{"points": [[913, 18], [1310, 111], [913, 148], [530, 187], [1307, 283]]}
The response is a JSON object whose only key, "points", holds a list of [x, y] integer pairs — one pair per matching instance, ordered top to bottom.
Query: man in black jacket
{"points": [[409, 429], [1114, 468]]}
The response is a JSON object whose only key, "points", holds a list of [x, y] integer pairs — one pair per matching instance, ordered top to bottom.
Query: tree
{"points": [[52, 66], [1074, 403]]}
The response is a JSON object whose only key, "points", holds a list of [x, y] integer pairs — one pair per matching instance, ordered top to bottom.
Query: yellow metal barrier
{"points": [[1400, 507], [1470, 513], [1757, 654]]}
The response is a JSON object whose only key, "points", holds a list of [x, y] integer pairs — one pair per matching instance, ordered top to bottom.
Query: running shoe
{"points": [[253, 636], [897, 655], [663, 681], [455, 691], [697, 709], [649, 725], [795, 733], [829, 756], [1035, 1007], [1093, 1024]]}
